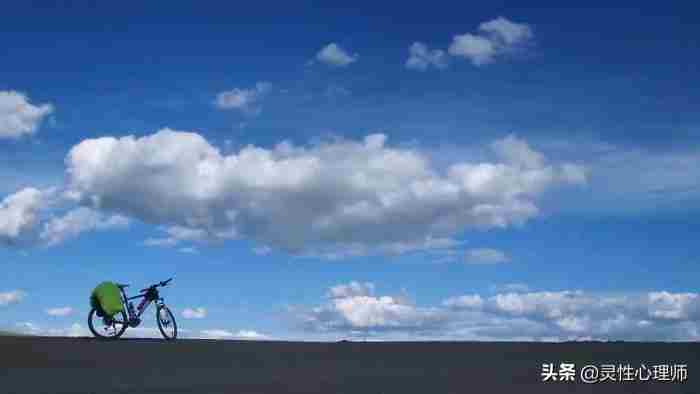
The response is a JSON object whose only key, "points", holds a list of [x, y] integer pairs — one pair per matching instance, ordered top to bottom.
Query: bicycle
{"points": [[112, 327]]}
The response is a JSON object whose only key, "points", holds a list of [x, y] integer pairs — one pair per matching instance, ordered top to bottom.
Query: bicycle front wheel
{"points": [[166, 322]]}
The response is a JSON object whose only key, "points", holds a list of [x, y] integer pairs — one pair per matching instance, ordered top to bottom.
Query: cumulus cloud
{"points": [[506, 31], [495, 38], [333, 55], [421, 57], [244, 100], [18, 117], [356, 197], [19, 214], [77, 221], [486, 256], [11, 297], [669, 306], [352, 308], [60, 311], [194, 313]]}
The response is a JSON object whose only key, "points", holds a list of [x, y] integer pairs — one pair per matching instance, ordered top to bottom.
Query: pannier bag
{"points": [[106, 298]]}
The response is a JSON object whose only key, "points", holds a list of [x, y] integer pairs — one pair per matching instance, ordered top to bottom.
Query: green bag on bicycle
{"points": [[108, 298]]}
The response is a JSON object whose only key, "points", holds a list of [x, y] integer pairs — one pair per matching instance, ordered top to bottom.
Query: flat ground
{"points": [[81, 365]]}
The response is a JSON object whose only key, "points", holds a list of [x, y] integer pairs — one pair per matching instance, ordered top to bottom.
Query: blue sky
{"points": [[520, 173]]}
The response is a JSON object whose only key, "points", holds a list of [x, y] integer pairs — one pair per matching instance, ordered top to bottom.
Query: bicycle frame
{"points": [[134, 316]]}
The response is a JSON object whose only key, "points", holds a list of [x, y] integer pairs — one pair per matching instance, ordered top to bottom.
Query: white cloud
{"points": [[507, 32], [496, 38], [480, 50], [334, 55], [421, 57], [245, 100], [18, 117], [517, 152], [624, 179], [631, 179], [330, 198], [19, 214], [25, 220], [77, 221], [178, 234], [444, 246], [189, 250], [262, 250], [486, 256], [511, 288], [352, 289], [11, 297], [473, 301], [669, 306], [352, 308], [60, 311], [194, 313], [576, 314], [543, 315], [28, 328], [74, 330], [78, 330], [216, 334], [225, 334], [250, 334]]}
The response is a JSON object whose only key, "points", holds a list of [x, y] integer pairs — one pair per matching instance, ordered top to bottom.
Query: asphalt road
{"points": [[81, 365]]}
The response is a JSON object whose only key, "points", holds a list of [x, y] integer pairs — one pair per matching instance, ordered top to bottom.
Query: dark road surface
{"points": [[80, 365]]}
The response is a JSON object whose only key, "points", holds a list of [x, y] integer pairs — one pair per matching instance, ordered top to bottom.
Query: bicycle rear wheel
{"points": [[166, 322], [106, 327]]}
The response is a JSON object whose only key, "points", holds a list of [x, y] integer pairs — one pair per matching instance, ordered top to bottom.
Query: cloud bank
{"points": [[357, 196], [523, 315]]}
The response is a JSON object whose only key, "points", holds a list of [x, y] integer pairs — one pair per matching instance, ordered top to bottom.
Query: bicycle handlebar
{"points": [[160, 284]]}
